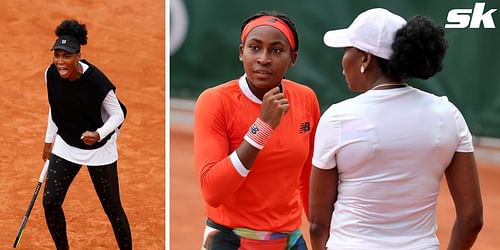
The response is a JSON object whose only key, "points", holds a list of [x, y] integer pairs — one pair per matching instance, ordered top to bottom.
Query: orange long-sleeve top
{"points": [[271, 196]]}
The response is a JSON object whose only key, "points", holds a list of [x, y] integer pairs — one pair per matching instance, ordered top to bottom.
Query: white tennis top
{"points": [[111, 114], [391, 148]]}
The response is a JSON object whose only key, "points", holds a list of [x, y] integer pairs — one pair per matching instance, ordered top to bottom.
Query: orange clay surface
{"points": [[126, 41], [187, 217]]}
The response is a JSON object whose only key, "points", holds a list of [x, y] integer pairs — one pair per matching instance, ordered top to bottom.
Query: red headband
{"points": [[269, 21]]}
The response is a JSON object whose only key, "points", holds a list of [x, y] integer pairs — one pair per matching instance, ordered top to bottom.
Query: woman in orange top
{"points": [[253, 144]]}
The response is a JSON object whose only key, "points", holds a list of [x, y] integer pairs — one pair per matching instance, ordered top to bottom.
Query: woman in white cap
{"points": [[83, 123], [379, 157]]}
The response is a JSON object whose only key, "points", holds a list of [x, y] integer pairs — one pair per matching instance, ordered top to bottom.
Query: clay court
{"points": [[126, 41], [186, 214]]}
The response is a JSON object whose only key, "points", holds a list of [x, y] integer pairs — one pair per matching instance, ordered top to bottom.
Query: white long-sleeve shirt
{"points": [[112, 116]]}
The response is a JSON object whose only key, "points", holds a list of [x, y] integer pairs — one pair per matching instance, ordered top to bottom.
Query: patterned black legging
{"points": [[105, 179]]}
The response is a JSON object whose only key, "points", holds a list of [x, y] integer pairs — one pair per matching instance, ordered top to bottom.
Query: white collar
{"points": [[84, 66], [246, 89]]}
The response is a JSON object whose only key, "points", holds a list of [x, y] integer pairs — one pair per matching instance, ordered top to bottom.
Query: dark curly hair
{"points": [[279, 15], [71, 27], [418, 50]]}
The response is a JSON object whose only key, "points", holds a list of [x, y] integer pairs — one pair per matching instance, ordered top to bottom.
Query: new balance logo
{"points": [[272, 20], [304, 127], [254, 129]]}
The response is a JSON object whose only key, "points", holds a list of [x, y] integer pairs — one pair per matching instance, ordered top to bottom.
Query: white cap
{"points": [[372, 31]]}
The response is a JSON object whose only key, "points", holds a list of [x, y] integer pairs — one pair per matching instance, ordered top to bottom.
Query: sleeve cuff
{"points": [[100, 134], [50, 138], [235, 160], [320, 165]]}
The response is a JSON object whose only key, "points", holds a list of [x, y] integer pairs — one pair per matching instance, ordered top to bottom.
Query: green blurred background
{"points": [[204, 40]]}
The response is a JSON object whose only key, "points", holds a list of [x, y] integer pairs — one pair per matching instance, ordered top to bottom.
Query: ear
{"points": [[241, 52], [293, 56], [367, 59]]}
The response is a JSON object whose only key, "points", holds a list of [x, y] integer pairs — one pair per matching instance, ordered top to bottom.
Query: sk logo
{"points": [[472, 18], [304, 127]]}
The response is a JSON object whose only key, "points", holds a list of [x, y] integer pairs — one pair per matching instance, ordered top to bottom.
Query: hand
{"points": [[274, 106], [90, 137], [47, 150]]}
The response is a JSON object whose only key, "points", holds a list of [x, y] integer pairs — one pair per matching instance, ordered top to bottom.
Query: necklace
{"points": [[389, 84]]}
